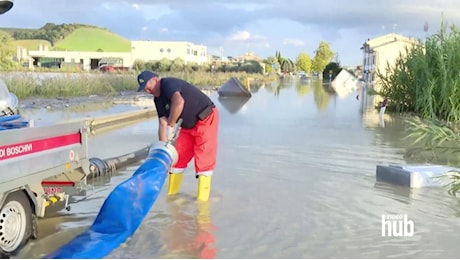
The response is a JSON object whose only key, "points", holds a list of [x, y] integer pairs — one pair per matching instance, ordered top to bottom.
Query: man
{"points": [[174, 99]]}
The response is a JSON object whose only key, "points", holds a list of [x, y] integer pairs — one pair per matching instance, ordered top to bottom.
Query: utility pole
{"points": [[394, 28], [425, 29], [221, 51]]}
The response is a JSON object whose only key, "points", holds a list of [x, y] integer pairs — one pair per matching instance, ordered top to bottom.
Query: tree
{"points": [[6, 50], [323, 55], [278, 57], [303, 62], [271, 64], [177, 65], [287, 65], [252, 66], [333, 68]]}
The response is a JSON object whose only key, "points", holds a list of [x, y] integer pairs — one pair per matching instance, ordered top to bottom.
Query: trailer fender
{"points": [[32, 196]]}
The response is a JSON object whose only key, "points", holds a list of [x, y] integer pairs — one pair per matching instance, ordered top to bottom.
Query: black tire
{"points": [[16, 223]]}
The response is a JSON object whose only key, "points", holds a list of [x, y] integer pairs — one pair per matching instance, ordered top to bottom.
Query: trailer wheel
{"points": [[15, 222]]}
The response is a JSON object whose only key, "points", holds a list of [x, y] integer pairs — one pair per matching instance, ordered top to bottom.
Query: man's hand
{"points": [[170, 133]]}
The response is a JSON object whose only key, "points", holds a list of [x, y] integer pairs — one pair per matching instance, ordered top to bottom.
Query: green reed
{"points": [[426, 82], [438, 142]]}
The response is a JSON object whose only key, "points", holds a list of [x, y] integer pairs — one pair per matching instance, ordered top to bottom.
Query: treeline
{"points": [[50, 32], [323, 57], [178, 65], [287, 65]]}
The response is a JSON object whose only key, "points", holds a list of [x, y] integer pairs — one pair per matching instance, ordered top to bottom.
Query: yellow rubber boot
{"points": [[175, 181], [204, 187], [203, 217]]}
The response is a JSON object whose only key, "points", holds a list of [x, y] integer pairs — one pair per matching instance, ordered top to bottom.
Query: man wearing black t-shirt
{"points": [[174, 99]]}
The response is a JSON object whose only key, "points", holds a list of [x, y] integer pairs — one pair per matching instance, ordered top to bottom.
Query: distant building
{"points": [[140, 50], [157, 50], [379, 52], [249, 56], [86, 60]]}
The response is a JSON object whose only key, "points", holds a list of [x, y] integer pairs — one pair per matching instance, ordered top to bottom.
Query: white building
{"points": [[140, 50], [157, 50], [380, 51], [87, 60]]}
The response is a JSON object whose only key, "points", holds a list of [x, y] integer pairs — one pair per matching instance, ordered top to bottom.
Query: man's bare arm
{"points": [[177, 104], [162, 125]]}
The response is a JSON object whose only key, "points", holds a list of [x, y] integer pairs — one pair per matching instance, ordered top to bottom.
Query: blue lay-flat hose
{"points": [[9, 118], [7, 122], [124, 209]]}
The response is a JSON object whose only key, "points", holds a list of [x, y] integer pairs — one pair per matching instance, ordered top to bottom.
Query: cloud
{"points": [[247, 6], [153, 12], [261, 25], [240, 36], [248, 40], [294, 42]]}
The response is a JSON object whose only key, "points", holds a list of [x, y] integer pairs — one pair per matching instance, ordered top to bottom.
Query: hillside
{"points": [[12, 31], [70, 37], [93, 39], [31, 44]]}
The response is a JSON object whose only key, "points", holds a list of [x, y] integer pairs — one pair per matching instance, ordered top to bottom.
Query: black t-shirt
{"points": [[195, 101]]}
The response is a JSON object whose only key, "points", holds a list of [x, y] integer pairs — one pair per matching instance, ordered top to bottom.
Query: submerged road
{"points": [[295, 179]]}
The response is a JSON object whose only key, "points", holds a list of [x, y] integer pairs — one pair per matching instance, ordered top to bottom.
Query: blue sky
{"points": [[261, 26]]}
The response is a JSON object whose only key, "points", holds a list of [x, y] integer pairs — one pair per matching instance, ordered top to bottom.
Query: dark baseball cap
{"points": [[143, 77]]}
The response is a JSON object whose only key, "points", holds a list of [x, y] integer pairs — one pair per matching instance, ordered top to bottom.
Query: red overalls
{"points": [[199, 142]]}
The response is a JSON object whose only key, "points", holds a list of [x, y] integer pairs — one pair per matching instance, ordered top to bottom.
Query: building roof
{"points": [[387, 39], [249, 56]]}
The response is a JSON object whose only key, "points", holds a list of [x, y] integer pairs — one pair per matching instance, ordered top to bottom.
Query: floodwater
{"points": [[295, 179]]}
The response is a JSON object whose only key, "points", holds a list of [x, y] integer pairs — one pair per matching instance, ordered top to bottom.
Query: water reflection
{"points": [[283, 84], [254, 87], [303, 88], [321, 96], [233, 104], [398, 193], [189, 235]]}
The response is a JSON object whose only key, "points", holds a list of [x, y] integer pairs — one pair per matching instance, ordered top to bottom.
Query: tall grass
{"points": [[427, 80], [52, 85], [435, 137], [436, 141]]}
